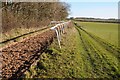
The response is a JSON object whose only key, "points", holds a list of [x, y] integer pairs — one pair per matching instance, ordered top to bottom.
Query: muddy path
{"points": [[17, 58]]}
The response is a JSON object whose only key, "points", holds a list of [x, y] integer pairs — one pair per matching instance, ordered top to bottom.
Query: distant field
{"points": [[107, 31], [83, 55]]}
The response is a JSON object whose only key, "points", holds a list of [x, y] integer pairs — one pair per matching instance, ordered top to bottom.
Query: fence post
{"points": [[59, 29], [58, 36]]}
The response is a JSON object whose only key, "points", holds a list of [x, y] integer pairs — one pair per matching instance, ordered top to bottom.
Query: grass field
{"points": [[107, 31], [83, 55]]}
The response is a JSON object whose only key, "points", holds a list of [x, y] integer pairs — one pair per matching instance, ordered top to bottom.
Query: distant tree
{"points": [[32, 14], [71, 18]]}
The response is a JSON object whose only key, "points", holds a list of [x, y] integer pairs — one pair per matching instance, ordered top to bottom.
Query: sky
{"points": [[94, 8]]}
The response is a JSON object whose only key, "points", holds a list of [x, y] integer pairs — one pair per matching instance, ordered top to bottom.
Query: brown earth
{"points": [[17, 58]]}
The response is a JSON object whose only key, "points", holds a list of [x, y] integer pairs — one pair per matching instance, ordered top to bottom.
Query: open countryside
{"points": [[40, 41]]}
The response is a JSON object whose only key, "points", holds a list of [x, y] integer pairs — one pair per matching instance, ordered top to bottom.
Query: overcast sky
{"points": [[94, 8]]}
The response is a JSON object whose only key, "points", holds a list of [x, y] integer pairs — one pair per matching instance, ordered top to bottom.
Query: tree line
{"points": [[32, 14]]}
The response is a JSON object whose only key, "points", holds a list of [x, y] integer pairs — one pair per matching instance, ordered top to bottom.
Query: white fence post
{"points": [[59, 29], [58, 37]]}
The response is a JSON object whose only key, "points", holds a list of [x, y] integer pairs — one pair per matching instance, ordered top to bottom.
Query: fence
{"points": [[59, 29], [17, 58]]}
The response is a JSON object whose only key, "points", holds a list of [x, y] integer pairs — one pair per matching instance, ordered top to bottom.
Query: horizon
{"points": [[95, 8], [90, 17]]}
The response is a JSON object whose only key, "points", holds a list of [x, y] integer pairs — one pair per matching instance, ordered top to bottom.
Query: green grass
{"points": [[107, 31], [83, 55], [103, 60], [62, 63]]}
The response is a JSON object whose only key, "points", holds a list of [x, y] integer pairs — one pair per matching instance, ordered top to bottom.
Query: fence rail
{"points": [[17, 58]]}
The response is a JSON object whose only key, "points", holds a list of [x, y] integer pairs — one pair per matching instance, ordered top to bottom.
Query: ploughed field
{"points": [[89, 50]]}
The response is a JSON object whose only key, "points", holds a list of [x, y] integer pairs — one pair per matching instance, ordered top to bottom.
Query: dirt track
{"points": [[18, 57]]}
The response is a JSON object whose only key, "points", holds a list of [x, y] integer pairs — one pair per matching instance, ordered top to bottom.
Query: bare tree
{"points": [[32, 14]]}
